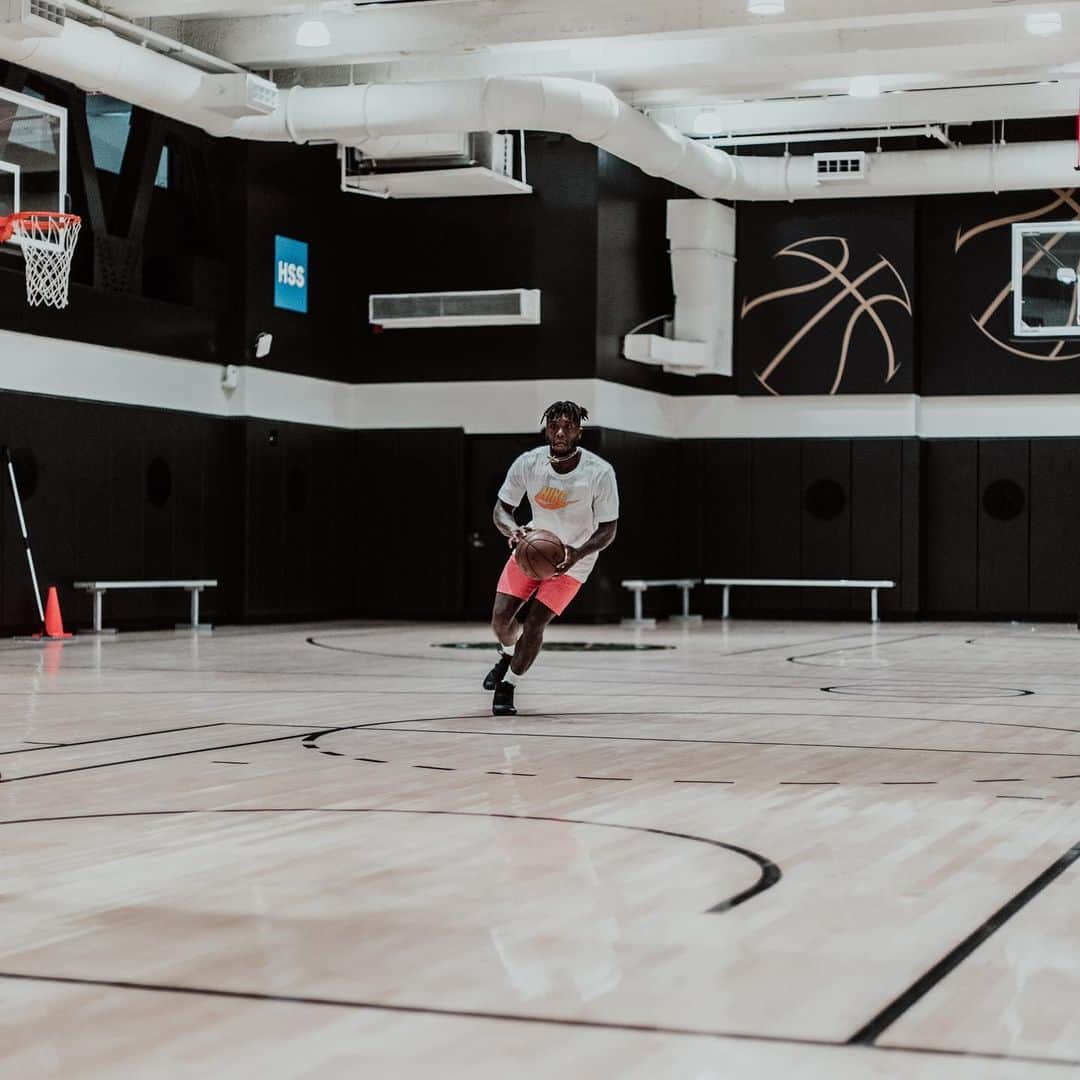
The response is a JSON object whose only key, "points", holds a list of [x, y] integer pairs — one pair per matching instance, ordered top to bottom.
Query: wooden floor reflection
{"points": [[790, 850]]}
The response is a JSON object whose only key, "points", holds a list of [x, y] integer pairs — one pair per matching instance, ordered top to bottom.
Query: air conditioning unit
{"points": [[31, 18], [237, 95], [845, 165], [431, 166], [496, 307]]}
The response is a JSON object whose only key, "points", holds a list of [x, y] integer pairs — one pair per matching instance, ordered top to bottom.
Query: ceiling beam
{"points": [[393, 31], [965, 106]]}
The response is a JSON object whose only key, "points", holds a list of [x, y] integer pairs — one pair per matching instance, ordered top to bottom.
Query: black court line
{"points": [[801, 658], [576, 667], [551, 682], [738, 714], [116, 738], [701, 742], [207, 749], [230, 762], [437, 768], [502, 772], [626, 778], [703, 781], [1037, 798], [769, 872], [919, 989], [517, 1018]]}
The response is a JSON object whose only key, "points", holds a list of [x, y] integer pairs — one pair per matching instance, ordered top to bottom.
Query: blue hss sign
{"points": [[290, 274]]}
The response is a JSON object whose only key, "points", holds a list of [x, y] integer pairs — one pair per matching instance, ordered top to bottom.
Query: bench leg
{"points": [[96, 596], [727, 603], [873, 605], [686, 617], [639, 619], [194, 624]]}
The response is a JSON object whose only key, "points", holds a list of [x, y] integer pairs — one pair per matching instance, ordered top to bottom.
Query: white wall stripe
{"points": [[68, 369]]}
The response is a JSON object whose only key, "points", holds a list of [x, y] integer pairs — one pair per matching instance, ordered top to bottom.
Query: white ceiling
{"points": [[674, 57]]}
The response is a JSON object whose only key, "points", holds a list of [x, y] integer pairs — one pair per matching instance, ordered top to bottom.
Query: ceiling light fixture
{"points": [[765, 7], [1043, 23], [312, 33], [864, 86]]}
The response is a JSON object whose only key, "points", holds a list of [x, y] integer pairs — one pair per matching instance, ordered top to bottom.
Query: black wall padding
{"points": [[650, 497], [406, 504], [1003, 510], [89, 515], [877, 515], [826, 522], [776, 523], [952, 526], [1055, 527], [719, 545]]}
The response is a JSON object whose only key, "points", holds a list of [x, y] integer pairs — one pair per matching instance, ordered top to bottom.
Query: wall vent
{"points": [[31, 18], [238, 94], [847, 165], [497, 307]]}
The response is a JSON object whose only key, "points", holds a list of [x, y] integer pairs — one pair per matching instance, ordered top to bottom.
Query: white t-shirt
{"points": [[571, 505]]}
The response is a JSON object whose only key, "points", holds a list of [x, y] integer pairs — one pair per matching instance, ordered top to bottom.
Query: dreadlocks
{"points": [[571, 410]]}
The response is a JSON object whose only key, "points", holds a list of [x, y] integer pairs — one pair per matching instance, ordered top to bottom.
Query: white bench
{"points": [[810, 583], [638, 587], [100, 588]]}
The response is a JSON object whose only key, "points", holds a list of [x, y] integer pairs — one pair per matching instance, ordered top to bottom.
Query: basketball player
{"points": [[574, 495]]}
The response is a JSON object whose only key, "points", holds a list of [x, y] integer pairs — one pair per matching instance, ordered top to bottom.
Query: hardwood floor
{"points": [[782, 850]]}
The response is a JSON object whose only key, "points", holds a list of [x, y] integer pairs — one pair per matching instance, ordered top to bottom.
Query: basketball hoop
{"points": [[48, 243]]}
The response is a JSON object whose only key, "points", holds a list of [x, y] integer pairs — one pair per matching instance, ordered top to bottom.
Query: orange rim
{"points": [[47, 219]]}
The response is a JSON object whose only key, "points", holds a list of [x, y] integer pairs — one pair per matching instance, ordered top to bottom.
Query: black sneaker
{"points": [[497, 673], [503, 702]]}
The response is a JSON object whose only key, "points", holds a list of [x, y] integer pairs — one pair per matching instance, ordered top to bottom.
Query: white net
{"points": [[48, 243]]}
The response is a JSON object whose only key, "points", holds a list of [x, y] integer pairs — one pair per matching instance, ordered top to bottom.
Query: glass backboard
{"points": [[33, 154], [1045, 273]]}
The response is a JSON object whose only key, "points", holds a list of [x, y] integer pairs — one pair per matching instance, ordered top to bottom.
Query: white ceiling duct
{"points": [[96, 59]]}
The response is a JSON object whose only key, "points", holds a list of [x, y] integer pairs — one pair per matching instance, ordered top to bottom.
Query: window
{"points": [[109, 121]]}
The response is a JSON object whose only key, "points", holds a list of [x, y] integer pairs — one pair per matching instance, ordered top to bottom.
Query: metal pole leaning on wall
{"points": [[25, 535]]}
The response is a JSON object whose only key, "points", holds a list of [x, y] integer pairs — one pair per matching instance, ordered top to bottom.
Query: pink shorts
{"points": [[555, 593]]}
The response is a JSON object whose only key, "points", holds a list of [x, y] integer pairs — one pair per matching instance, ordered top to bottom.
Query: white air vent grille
{"points": [[31, 18], [238, 94], [849, 165], [502, 307]]}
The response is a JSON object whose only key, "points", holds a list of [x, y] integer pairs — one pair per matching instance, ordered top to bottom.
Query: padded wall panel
{"points": [[826, 500], [407, 501], [304, 502], [952, 510], [877, 511], [90, 515], [726, 517], [1004, 517], [913, 522], [775, 523], [1055, 527], [648, 543]]}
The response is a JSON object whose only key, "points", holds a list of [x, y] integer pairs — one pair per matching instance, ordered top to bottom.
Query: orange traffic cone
{"points": [[54, 624]]}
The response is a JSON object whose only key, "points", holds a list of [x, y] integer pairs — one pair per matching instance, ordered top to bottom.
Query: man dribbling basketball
{"points": [[573, 494]]}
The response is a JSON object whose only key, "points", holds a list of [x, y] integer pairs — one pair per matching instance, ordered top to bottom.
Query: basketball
{"points": [[540, 554]]}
